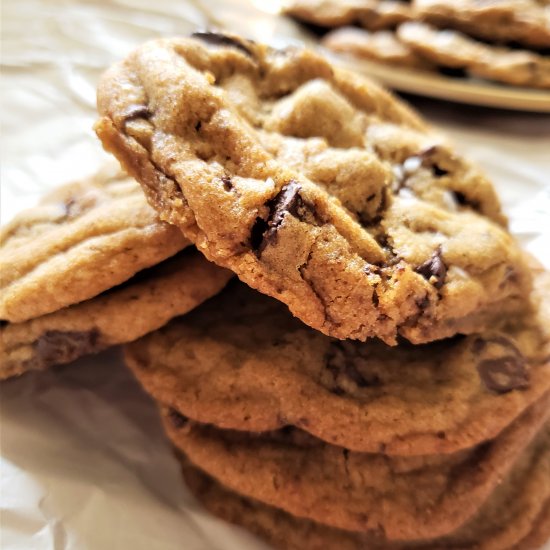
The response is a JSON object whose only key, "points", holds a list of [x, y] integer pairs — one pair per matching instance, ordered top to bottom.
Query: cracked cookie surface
{"points": [[315, 186], [80, 240], [144, 303], [405, 400], [407, 498], [512, 518]]}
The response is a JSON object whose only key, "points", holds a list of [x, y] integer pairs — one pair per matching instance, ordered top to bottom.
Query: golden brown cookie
{"points": [[369, 14], [525, 22], [382, 46], [447, 48], [314, 186], [79, 241], [143, 303], [405, 400], [418, 497], [513, 517]]}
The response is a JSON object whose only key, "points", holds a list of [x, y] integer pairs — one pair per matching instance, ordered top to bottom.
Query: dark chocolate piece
{"points": [[221, 39], [434, 267], [55, 346], [178, 420]]}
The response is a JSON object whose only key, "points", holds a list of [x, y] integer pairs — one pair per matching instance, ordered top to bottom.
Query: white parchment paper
{"points": [[83, 462]]}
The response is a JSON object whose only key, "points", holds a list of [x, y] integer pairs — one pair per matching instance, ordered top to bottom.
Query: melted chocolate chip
{"points": [[221, 39], [456, 72], [136, 111], [439, 172], [227, 183], [463, 200], [287, 201], [434, 269], [3, 323], [56, 346], [342, 361], [500, 364], [503, 374], [177, 419]]}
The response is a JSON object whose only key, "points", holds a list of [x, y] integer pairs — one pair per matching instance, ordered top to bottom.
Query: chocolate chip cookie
{"points": [[369, 14], [524, 22], [382, 46], [448, 48], [315, 186], [81, 240], [143, 303], [406, 400], [407, 498], [512, 518]]}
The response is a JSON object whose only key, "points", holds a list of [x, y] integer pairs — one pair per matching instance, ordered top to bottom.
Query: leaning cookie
{"points": [[369, 14], [524, 22], [447, 48], [314, 186], [80, 240], [140, 305], [404, 400], [423, 496], [512, 518]]}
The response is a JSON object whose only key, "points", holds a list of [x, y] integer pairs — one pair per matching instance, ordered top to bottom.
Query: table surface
{"points": [[83, 462]]}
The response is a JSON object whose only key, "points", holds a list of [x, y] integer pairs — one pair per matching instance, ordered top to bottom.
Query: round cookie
{"points": [[369, 14], [525, 22], [382, 46], [448, 48], [315, 186], [80, 240], [144, 303], [404, 400], [406, 498], [512, 518]]}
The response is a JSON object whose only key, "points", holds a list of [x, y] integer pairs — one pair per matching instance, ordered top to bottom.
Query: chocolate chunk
{"points": [[221, 39], [455, 72], [136, 111], [439, 172], [227, 183], [463, 200], [287, 201], [434, 269], [55, 346], [342, 361], [500, 364], [504, 374], [177, 419]]}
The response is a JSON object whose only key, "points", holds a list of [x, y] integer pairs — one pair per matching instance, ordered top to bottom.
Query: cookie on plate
{"points": [[369, 14], [524, 22], [382, 46], [448, 48], [314, 186], [80, 240], [140, 305], [404, 400], [407, 498], [512, 518]]}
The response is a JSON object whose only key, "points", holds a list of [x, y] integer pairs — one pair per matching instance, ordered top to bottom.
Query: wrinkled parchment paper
{"points": [[83, 462]]}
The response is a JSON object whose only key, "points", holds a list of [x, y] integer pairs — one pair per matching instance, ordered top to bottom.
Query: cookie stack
{"points": [[499, 40], [90, 267], [380, 375], [405, 402]]}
